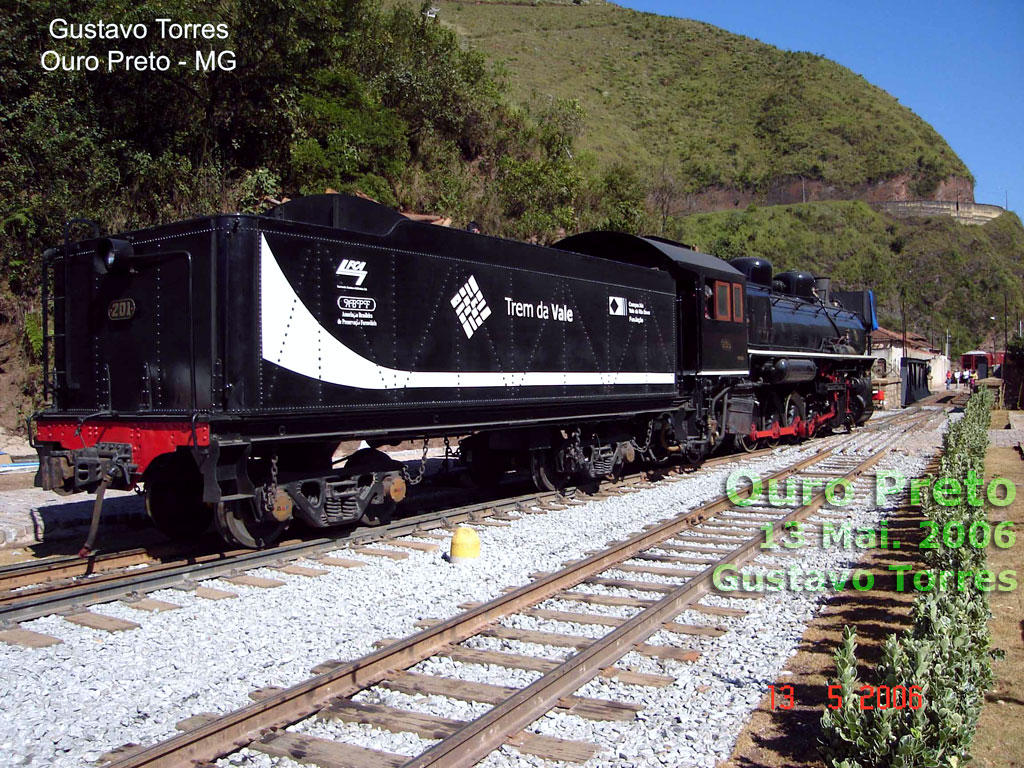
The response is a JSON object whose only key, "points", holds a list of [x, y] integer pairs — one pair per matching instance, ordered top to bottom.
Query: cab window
{"points": [[737, 302], [723, 309]]}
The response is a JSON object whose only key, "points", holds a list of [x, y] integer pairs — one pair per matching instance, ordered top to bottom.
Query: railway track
{"points": [[673, 561], [69, 568], [21, 581], [71, 584]]}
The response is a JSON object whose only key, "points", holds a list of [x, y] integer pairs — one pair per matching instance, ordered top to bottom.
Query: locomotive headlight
{"points": [[111, 254]]}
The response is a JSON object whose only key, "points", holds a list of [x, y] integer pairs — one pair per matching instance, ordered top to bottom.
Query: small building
{"points": [[887, 348]]}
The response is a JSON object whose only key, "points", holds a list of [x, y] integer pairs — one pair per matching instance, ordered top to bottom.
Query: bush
{"points": [[254, 189], [33, 336], [947, 653]]}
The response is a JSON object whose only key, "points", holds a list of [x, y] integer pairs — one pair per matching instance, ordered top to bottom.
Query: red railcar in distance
{"points": [[981, 361]]}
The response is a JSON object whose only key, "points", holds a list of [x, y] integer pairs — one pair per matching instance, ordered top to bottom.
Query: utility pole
{"points": [[903, 316], [994, 337]]}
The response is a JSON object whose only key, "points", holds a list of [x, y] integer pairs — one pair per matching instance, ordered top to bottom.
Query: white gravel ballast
{"points": [[67, 704]]}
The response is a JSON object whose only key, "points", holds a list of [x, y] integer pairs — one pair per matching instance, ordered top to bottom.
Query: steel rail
{"points": [[70, 566], [40, 572], [45, 573], [18, 575], [75, 596], [53, 597], [480, 737], [213, 739]]}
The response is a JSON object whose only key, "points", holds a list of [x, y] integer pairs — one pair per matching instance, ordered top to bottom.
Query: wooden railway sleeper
{"points": [[211, 740]]}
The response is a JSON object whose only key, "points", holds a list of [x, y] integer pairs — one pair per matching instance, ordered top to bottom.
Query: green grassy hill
{"points": [[713, 108], [596, 118], [954, 276]]}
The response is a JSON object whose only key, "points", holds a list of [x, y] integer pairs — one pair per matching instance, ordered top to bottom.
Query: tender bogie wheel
{"points": [[658, 452], [656, 457], [545, 476], [174, 498], [378, 514], [239, 526]]}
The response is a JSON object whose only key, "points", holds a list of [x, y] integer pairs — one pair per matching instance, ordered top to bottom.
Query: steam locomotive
{"points": [[221, 360]]}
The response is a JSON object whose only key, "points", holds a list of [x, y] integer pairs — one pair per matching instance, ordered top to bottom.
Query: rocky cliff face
{"points": [[797, 190]]}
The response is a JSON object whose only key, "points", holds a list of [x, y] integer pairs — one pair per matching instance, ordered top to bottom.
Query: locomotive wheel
{"points": [[795, 408], [856, 409], [772, 416], [813, 431], [744, 443], [542, 469], [174, 498], [378, 514], [238, 525]]}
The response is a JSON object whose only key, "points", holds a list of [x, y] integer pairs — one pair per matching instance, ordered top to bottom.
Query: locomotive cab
{"points": [[711, 297], [712, 342]]}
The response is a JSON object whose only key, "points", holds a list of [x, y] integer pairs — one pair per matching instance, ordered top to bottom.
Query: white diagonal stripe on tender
{"points": [[345, 367]]}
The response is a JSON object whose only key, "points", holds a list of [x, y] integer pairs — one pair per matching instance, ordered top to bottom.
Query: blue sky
{"points": [[959, 65]]}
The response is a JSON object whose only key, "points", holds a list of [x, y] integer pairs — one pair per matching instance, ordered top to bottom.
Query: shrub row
{"points": [[947, 654]]}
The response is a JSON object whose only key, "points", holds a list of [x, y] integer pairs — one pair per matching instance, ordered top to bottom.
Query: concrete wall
{"points": [[785, 190], [964, 212], [939, 364]]}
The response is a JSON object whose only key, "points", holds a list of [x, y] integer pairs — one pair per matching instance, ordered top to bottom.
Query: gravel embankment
{"points": [[67, 704]]}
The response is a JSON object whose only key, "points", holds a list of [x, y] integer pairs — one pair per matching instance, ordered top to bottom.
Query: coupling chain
{"points": [[647, 444], [448, 452], [446, 467], [422, 471], [270, 489]]}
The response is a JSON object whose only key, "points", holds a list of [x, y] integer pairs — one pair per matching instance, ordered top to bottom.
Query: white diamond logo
{"points": [[617, 306], [470, 307]]}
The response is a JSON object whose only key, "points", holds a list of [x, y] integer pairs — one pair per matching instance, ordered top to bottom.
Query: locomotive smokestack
{"points": [[823, 287]]}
